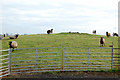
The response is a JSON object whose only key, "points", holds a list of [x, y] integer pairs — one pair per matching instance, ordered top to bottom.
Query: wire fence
{"points": [[27, 60]]}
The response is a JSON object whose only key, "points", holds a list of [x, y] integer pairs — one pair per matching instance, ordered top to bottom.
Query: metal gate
{"points": [[87, 59], [26, 60], [36, 60], [4, 63]]}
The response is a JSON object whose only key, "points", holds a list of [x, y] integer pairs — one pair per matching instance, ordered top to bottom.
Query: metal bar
{"points": [[91, 47], [37, 48], [90, 52], [33, 53], [4, 55], [87, 55], [37, 56], [50, 56], [4, 59], [89, 59], [22, 60], [61, 60], [88, 62], [4, 63], [38, 63], [87, 65], [34, 66], [22, 67], [50, 68], [4, 69], [76, 70], [37, 71], [4, 72], [4, 75]]}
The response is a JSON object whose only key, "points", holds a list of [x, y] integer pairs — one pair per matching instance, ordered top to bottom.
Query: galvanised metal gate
{"points": [[87, 59], [26, 60], [36, 60], [4, 63]]}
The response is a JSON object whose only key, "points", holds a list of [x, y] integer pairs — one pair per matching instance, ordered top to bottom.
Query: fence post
{"points": [[112, 59], [9, 61]]}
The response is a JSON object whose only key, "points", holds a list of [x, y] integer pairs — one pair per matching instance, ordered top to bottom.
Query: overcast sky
{"points": [[37, 16]]}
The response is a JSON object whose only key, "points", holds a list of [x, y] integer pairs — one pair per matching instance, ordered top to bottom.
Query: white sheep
{"points": [[13, 44]]}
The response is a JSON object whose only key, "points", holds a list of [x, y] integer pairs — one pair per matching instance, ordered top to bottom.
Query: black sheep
{"points": [[14, 37], [102, 41]]}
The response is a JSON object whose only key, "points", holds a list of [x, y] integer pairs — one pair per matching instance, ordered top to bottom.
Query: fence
{"points": [[116, 58], [87, 59], [26, 60], [38, 60], [4, 64]]}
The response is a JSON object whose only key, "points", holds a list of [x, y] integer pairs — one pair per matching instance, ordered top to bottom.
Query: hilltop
{"points": [[60, 40]]}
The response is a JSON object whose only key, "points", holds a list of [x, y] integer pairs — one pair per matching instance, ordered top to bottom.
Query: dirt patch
{"points": [[66, 75]]}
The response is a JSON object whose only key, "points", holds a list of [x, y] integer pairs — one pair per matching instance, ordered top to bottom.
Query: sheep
{"points": [[49, 31], [94, 31], [107, 34], [115, 34], [4, 35], [13, 37], [102, 41], [13, 44]]}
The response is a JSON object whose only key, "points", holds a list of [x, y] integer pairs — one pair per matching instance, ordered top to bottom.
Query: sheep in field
{"points": [[49, 31], [94, 31], [107, 34], [115, 34], [4, 35], [13, 37], [102, 41], [13, 44]]}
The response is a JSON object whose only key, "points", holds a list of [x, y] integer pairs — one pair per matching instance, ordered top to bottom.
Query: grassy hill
{"points": [[60, 40]]}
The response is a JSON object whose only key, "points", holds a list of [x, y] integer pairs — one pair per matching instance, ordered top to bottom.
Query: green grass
{"points": [[60, 40]]}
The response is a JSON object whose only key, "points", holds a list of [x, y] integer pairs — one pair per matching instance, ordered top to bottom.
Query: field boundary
{"points": [[62, 59]]}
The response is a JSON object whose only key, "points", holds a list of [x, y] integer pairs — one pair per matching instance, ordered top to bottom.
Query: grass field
{"points": [[60, 40]]}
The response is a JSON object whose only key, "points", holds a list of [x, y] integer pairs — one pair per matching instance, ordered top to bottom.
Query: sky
{"points": [[38, 16]]}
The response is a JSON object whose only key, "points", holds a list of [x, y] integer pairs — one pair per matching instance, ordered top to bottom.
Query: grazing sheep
{"points": [[49, 31], [94, 31], [74, 32], [107, 34], [115, 34], [4, 35], [14, 37], [102, 41], [13, 44]]}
